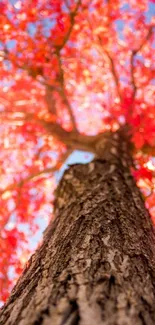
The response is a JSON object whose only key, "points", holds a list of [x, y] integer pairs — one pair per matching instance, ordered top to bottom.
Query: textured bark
{"points": [[96, 265]]}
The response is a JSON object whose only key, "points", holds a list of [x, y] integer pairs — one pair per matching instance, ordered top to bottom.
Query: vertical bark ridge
{"points": [[96, 265]]}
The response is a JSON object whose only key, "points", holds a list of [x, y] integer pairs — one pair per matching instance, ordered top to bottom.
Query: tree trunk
{"points": [[96, 265]]}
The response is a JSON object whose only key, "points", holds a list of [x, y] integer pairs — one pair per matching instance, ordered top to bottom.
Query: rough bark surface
{"points": [[96, 265]]}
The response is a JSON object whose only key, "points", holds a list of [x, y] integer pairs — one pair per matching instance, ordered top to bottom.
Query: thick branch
{"points": [[72, 139]]}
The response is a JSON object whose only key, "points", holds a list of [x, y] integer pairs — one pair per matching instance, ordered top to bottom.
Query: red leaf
{"points": [[143, 172]]}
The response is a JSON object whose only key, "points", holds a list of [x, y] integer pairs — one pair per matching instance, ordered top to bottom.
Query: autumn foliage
{"points": [[76, 66]]}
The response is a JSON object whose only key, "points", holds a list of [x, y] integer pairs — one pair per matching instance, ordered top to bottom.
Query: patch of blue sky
{"points": [[13, 1], [125, 6], [151, 12], [119, 23], [48, 24], [31, 28], [10, 44], [72, 44], [124, 78], [152, 81], [6, 83], [52, 154], [77, 157], [28, 162], [33, 191], [35, 195], [12, 221], [42, 224]]}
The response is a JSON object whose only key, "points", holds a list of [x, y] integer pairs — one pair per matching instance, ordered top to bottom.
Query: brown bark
{"points": [[96, 265]]}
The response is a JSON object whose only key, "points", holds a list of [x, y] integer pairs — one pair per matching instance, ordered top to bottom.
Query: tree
{"points": [[79, 75]]}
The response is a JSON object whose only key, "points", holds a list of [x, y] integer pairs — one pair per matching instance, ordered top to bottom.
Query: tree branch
{"points": [[72, 20], [148, 35], [133, 54], [113, 71], [61, 73], [132, 75], [115, 76], [49, 89], [62, 92], [50, 100], [72, 139], [37, 174]]}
